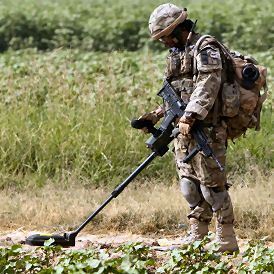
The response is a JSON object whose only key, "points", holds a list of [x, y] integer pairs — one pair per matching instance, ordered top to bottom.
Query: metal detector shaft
{"points": [[116, 191], [68, 239]]}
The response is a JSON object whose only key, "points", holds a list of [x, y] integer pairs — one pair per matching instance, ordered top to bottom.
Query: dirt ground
{"points": [[85, 240], [110, 240]]}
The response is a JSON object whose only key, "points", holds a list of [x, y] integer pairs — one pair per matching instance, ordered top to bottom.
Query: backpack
{"points": [[240, 97]]}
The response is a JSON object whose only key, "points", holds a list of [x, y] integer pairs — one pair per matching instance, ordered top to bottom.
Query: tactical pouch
{"points": [[186, 63], [173, 64], [249, 76], [183, 88], [230, 99]]}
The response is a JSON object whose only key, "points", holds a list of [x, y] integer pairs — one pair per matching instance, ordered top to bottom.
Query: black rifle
{"points": [[166, 132]]}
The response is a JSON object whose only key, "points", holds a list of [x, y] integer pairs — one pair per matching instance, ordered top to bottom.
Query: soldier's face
{"points": [[169, 41], [174, 42]]}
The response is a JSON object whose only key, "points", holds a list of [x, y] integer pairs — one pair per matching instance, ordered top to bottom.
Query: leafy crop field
{"points": [[73, 75], [136, 258]]}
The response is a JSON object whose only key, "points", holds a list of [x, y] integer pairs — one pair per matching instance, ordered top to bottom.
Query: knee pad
{"points": [[190, 192], [215, 199]]}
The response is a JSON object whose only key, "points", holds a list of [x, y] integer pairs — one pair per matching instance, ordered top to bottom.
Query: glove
{"points": [[153, 116], [185, 123], [184, 128]]}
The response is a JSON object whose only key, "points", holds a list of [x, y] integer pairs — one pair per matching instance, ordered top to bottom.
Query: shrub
{"points": [[104, 25]]}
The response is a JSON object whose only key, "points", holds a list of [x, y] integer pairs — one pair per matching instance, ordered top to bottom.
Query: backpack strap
{"points": [[211, 40], [225, 53]]}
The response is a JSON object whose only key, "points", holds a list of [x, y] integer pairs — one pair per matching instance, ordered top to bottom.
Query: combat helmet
{"points": [[164, 19]]}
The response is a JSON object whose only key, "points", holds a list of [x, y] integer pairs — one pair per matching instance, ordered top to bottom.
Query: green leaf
{"points": [[49, 242], [197, 244], [93, 263], [28, 265]]}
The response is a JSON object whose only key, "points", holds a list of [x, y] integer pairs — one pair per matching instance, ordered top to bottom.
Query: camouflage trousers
{"points": [[205, 171]]}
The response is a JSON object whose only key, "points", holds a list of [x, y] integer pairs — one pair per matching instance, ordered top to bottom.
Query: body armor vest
{"points": [[179, 70]]}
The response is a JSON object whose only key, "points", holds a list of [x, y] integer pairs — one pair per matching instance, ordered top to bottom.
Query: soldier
{"points": [[202, 183]]}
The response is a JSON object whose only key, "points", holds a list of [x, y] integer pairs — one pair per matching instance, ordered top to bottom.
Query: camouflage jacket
{"points": [[198, 91]]}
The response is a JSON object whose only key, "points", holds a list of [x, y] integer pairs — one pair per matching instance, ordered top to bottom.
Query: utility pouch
{"points": [[186, 62], [174, 64], [250, 76], [230, 99]]}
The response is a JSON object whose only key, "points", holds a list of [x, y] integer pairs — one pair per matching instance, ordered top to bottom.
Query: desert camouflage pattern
{"points": [[164, 19], [199, 93], [200, 168], [205, 171]]}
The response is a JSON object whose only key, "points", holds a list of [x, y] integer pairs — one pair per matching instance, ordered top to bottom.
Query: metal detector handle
{"points": [[139, 124]]}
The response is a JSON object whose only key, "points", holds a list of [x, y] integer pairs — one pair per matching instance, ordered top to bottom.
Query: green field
{"points": [[103, 25], [73, 75], [67, 109], [68, 112]]}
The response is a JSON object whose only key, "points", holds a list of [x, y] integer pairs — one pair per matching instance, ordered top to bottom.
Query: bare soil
{"points": [[104, 241]]}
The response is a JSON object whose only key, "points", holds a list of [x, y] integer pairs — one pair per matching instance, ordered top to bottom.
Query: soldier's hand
{"points": [[150, 116], [153, 116], [185, 123], [184, 128], [145, 130]]}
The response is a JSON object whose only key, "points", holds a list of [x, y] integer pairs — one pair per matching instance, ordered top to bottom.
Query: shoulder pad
{"points": [[209, 45], [209, 59]]}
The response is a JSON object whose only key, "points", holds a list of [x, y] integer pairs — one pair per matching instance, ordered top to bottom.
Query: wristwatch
{"points": [[189, 114]]}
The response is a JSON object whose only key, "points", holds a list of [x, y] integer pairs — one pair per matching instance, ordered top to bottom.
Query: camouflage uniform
{"points": [[197, 74], [199, 93]]}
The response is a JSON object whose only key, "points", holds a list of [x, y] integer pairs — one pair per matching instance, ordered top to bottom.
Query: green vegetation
{"points": [[104, 25], [73, 75], [67, 113], [135, 258]]}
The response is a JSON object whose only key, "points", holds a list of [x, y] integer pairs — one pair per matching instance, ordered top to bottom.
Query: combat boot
{"points": [[198, 230], [225, 238]]}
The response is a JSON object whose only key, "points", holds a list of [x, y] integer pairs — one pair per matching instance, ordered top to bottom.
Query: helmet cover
{"points": [[164, 19]]}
